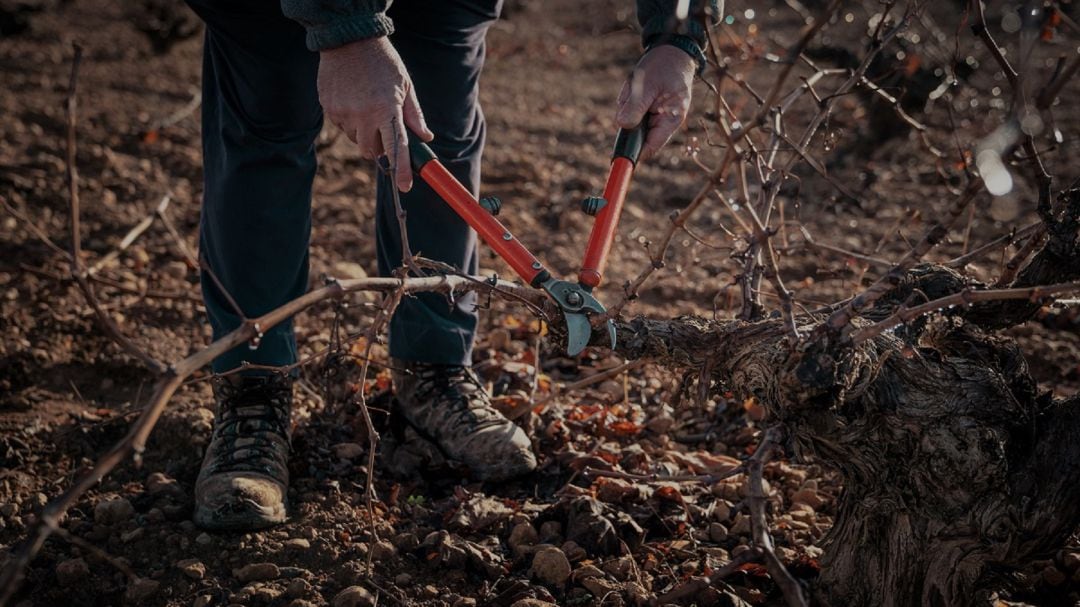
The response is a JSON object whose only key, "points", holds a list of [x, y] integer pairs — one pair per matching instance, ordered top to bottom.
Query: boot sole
{"points": [[257, 517]]}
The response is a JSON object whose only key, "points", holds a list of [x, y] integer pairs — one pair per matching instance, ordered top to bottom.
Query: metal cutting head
{"points": [[576, 304]]}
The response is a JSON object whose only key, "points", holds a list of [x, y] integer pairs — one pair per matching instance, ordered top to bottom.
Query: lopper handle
{"points": [[624, 157], [491, 230]]}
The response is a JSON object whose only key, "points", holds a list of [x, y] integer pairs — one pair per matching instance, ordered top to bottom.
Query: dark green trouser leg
{"points": [[442, 44], [261, 116]]}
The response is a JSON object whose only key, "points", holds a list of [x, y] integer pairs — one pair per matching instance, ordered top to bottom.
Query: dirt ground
{"points": [[67, 392]]}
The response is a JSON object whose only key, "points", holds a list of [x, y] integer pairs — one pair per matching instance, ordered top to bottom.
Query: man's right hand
{"points": [[366, 91]]}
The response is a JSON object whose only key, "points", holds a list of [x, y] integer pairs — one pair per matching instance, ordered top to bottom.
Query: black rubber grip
{"points": [[628, 142], [419, 152]]}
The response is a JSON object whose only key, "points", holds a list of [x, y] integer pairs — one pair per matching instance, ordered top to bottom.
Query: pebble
{"points": [[349, 269], [348, 450], [158, 483], [808, 496], [112, 511], [741, 525], [551, 532], [717, 532], [522, 536], [204, 539], [406, 542], [297, 543], [383, 550], [574, 552], [550, 566], [193, 568], [620, 568], [71, 571], [587, 571], [257, 572], [403, 579], [600, 587], [297, 588], [141, 590], [353, 596], [202, 601], [465, 601], [532, 603]]}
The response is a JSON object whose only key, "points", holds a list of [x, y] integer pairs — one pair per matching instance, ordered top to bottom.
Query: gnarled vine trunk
{"points": [[955, 466]]}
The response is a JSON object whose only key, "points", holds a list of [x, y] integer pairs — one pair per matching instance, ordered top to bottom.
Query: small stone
{"points": [[349, 269], [499, 339], [348, 450], [159, 483], [808, 496], [112, 511], [721, 511], [741, 525], [551, 532], [717, 532], [521, 537], [204, 539], [406, 542], [297, 543], [383, 550], [574, 552], [550, 566], [193, 568], [620, 568], [71, 571], [587, 571], [257, 572], [403, 579], [600, 587], [297, 588], [141, 590], [266, 594], [353, 596], [202, 601], [465, 601], [532, 603]]}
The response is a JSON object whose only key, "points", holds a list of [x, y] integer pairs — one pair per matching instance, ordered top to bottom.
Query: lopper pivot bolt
{"points": [[575, 300]]}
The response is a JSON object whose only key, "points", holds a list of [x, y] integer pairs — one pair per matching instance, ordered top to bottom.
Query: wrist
{"points": [[684, 43]]}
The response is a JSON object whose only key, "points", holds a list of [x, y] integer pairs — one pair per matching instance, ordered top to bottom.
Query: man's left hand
{"points": [[660, 85]]}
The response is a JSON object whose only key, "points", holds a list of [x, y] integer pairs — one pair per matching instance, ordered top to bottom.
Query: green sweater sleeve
{"points": [[657, 19], [332, 23]]}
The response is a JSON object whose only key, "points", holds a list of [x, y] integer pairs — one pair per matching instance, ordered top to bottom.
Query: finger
{"points": [[636, 102], [414, 116], [342, 124], [661, 128], [368, 143], [395, 144]]}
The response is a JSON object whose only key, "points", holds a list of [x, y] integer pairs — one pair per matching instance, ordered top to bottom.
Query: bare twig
{"points": [[132, 235], [965, 297], [839, 320], [134, 442]]}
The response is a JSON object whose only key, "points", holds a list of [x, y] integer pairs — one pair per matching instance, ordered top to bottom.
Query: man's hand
{"points": [[660, 85], [366, 91]]}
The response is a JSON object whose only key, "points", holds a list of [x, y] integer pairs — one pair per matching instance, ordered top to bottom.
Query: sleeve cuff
{"points": [[666, 25], [350, 29], [684, 43]]}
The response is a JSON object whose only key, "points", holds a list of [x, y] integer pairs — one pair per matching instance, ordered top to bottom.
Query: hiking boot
{"points": [[448, 404], [245, 473]]}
